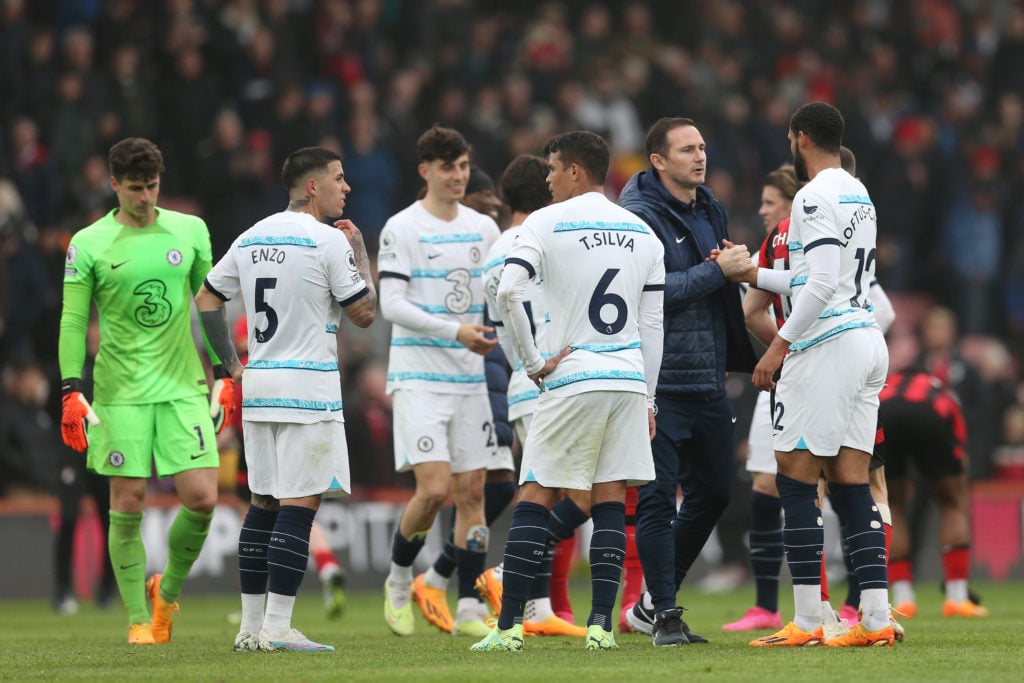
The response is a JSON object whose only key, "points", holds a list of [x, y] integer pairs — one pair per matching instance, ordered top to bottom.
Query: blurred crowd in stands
{"points": [[932, 92]]}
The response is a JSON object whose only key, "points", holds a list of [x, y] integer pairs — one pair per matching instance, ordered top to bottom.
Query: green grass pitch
{"points": [[37, 644]]}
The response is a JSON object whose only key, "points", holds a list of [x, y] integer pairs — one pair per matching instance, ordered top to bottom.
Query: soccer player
{"points": [[525, 189], [480, 194], [138, 264], [430, 264], [295, 275], [603, 276], [705, 337], [824, 419], [924, 425], [500, 484], [766, 524]]}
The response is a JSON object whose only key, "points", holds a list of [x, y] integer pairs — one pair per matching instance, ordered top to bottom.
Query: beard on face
{"points": [[800, 166]]}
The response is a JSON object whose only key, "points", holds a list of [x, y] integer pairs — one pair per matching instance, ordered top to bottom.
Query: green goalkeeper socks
{"points": [[184, 541], [128, 555]]}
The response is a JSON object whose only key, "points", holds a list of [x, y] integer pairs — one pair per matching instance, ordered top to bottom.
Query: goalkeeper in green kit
{"points": [[141, 266]]}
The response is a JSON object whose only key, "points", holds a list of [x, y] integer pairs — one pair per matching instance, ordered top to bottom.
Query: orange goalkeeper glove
{"points": [[222, 398], [76, 412]]}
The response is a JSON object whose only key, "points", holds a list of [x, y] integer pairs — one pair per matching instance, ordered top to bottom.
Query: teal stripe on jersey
{"points": [[855, 199], [572, 226], [450, 239], [269, 240], [795, 246], [494, 263], [441, 273], [797, 281], [432, 308], [834, 312], [331, 328], [426, 341], [804, 345], [607, 348], [317, 366], [594, 374], [436, 377], [523, 396], [291, 403]]}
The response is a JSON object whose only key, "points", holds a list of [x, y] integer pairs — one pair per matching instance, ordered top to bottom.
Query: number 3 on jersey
{"points": [[261, 306]]}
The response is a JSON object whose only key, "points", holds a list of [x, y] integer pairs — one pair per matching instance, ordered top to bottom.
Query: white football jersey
{"points": [[834, 208], [595, 260], [443, 264], [294, 274], [522, 392]]}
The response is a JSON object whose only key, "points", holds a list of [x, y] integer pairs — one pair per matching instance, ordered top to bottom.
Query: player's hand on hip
{"points": [[471, 335], [549, 366], [222, 398], [76, 414]]}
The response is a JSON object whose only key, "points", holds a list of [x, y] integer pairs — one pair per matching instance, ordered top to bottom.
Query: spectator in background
{"points": [[371, 167], [975, 219], [29, 447], [1008, 458]]}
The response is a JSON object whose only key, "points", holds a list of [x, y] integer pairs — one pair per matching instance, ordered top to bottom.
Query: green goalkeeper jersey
{"points": [[143, 281]]}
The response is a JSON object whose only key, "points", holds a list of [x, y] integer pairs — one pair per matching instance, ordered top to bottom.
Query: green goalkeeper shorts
{"points": [[177, 435]]}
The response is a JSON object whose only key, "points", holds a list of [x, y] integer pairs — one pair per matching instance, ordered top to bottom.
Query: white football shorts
{"points": [[827, 396], [453, 428], [590, 438], [760, 450], [292, 460]]}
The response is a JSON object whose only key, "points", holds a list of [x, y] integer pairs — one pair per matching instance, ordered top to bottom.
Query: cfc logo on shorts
{"points": [[174, 257], [425, 444], [116, 458]]}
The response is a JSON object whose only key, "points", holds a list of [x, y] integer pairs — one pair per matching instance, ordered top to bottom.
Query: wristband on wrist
{"points": [[220, 372], [70, 386]]}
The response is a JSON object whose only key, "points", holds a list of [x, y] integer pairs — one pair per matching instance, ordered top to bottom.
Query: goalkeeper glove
{"points": [[222, 398], [76, 412]]}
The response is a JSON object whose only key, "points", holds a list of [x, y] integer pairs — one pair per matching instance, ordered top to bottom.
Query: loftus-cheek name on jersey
{"points": [[859, 216], [607, 239], [271, 254]]}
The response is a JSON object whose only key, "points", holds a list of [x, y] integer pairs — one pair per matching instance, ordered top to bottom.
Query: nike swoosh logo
{"points": [[680, 240], [432, 256], [115, 266], [734, 420], [196, 457], [129, 566]]}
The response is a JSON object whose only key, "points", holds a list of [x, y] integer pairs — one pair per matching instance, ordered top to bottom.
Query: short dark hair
{"points": [[822, 123], [657, 137], [446, 144], [582, 147], [135, 159], [847, 160], [302, 163], [784, 180], [524, 186]]}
